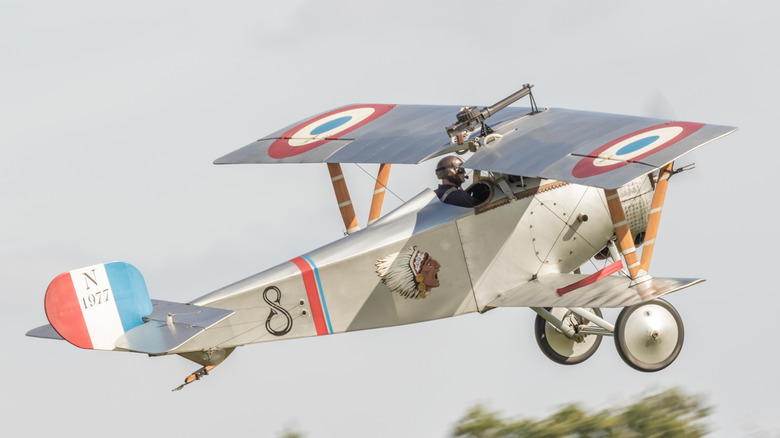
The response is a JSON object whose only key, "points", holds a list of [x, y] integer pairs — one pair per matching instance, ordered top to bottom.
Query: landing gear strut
{"points": [[648, 335], [564, 338]]}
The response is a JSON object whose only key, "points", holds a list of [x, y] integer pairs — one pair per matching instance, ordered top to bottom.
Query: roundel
{"points": [[315, 132], [633, 147]]}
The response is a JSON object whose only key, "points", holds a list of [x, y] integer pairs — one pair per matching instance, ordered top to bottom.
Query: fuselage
{"points": [[423, 261]]}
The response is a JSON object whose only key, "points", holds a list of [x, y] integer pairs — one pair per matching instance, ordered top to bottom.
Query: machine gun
{"points": [[469, 117]]}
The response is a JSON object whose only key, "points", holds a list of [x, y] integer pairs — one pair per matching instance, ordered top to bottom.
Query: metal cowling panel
{"points": [[636, 198]]}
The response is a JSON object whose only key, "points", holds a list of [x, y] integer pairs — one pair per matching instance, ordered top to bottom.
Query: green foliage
{"points": [[671, 413], [291, 432]]}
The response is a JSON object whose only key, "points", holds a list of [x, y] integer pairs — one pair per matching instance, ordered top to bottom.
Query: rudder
{"points": [[93, 306]]}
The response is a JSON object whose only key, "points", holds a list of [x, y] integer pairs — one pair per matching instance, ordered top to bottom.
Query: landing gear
{"points": [[649, 335], [570, 344]]}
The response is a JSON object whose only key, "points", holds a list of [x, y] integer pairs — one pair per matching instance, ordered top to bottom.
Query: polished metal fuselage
{"points": [[481, 254]]}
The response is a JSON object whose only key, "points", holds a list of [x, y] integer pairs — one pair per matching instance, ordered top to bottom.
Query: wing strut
{"points": [[379, 193], [343, 199], [656, 206], [622, 231]]}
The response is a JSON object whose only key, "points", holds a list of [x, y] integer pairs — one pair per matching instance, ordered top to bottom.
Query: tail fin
{"points": [[93, 306]]}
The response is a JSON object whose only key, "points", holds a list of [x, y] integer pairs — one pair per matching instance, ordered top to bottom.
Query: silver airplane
{"points": [[556, 187]]}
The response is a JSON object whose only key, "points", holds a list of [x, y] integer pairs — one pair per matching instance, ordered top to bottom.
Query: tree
{"points": [[670, 413], [291, 432]]}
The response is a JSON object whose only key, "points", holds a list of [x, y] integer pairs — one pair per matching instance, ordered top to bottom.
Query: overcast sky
{"points": [[112, 113]]}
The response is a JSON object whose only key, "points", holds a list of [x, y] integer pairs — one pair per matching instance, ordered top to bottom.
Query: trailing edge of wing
{"points": [[612, 291]]}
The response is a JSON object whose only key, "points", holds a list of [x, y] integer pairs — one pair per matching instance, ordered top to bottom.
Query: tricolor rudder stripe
{"points": [[313, 285], [91, 307]]}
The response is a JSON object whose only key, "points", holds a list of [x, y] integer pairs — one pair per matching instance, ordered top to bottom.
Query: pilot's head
{"points": [[449, 171]]}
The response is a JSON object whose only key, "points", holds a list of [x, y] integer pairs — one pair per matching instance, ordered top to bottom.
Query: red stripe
{"points": [[592, 278], [310, 283], [64, 311]]}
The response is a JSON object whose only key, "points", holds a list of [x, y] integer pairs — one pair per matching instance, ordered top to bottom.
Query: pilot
{"points": [[452, 177]]}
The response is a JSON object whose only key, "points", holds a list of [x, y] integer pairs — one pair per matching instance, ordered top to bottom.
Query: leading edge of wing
{"points": [[361, 133], [588, 148], [553, 290]]}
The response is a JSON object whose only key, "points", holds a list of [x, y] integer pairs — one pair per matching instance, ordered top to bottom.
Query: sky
{"points": [[112, 114]]}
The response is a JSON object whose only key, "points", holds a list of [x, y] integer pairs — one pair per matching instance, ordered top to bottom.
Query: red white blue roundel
{"points": [[316, 132], [633, 147]]}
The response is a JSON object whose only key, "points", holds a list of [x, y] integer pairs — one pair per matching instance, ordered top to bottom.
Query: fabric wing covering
{"points": [[581, 147]]}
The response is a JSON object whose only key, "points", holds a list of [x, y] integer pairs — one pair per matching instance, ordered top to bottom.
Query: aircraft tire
{"points": [[649, 335], [559, 348]]}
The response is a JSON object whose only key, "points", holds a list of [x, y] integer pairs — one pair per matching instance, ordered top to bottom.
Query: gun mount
{"points": [[469, 117]]}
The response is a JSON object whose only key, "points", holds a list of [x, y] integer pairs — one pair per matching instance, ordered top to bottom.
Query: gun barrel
{"points": [[505, 102]]}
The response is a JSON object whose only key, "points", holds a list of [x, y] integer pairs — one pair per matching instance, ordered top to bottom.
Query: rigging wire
{"points": [[375, 180]]}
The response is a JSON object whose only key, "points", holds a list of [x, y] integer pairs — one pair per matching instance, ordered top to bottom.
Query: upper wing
{"points": [[366, 133], [593, 149], [601, 150]]}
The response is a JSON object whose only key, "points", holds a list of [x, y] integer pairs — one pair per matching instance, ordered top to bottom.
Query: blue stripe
{"points": [[333, 124], [636, 145], [319, 289], [130, 295]]}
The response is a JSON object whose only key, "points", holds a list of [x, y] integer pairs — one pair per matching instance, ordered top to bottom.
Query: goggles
{"points": [[457, 169]]}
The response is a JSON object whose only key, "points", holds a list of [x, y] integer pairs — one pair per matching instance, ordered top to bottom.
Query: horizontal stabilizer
{"points": [[569, 290], [169, 326], [46, 332]]}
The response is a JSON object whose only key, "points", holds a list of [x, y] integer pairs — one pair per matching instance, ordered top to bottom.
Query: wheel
{"points": [[649, 335], [557, 346]]}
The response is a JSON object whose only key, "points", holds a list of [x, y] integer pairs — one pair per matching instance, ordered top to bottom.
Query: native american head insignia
{"points": [[411, 273]]}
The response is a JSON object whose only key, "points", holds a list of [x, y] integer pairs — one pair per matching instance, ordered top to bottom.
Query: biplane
{"points": [[557, 188]]}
